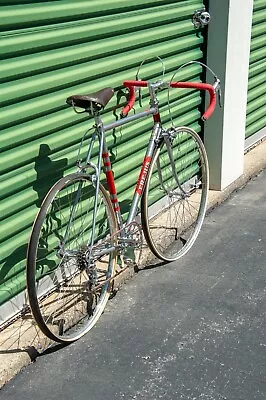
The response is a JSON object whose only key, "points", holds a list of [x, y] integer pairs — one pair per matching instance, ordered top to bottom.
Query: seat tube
{"points": [[100, 131], [111, 182]]}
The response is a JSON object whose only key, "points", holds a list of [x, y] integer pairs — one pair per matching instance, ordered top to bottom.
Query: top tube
{"points": [[131, 118]]}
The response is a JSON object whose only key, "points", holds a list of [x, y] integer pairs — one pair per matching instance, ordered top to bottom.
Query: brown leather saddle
{"points": [[94, 101]]}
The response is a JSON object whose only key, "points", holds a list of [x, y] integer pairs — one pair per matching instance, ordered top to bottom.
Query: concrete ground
{"points": [[155, 327]]}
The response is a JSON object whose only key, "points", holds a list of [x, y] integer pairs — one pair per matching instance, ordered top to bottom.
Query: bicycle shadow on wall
{"points": [[48, 172]]}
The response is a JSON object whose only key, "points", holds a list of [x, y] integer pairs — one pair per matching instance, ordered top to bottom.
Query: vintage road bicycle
{"points": [[79, 241]]}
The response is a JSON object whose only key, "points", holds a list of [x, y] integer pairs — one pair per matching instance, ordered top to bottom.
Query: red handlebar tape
{"points": [[184, 85], [132, 99]]}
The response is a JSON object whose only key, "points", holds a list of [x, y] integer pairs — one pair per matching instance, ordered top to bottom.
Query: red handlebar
{"points": [[191, 85], [131, 101]]}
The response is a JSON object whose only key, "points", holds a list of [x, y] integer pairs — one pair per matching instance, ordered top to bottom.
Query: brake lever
{"points": [[139, 90], [218, 90], [140, 97], [220, 97]]}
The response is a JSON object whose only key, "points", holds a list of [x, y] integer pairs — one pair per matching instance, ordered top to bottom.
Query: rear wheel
{"points": [[175, 197], [66, 277]]}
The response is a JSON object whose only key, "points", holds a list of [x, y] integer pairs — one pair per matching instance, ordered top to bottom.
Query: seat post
{"points": [[100, 131]]}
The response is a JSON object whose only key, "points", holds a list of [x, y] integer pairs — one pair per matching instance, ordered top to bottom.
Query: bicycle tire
{"points": [[172, 216], [60, 280]]}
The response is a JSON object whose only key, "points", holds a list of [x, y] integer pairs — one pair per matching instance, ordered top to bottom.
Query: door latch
{"points": [[201, 18]]}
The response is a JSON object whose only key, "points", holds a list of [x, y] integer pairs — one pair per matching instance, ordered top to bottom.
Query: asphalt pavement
{"points": [[193, 329]]}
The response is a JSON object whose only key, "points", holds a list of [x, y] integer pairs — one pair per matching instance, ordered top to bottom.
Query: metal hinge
{"points": [[201, 18]]}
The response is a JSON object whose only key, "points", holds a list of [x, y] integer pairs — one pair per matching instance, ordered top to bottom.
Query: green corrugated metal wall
{"points": [[52, 49], [256, 106]]}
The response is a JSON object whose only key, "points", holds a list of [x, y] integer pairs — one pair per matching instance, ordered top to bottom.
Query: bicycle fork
{"points": [[167, 140]]}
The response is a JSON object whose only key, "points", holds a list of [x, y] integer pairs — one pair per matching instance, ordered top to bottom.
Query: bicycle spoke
{"points": [[171, 231], [61, 272]]}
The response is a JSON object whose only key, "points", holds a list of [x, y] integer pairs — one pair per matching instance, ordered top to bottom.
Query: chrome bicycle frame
{"points": [[157, 135]]}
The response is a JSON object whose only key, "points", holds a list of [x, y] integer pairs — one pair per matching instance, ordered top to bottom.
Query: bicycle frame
{"points": [[155, 138], [104, 154]]}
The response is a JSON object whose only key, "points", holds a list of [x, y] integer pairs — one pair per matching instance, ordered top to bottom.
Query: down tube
{"points": [[143, 173]]}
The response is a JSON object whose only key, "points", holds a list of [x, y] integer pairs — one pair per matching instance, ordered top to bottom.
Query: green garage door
{"points": [[52, 49], [256, 106]]}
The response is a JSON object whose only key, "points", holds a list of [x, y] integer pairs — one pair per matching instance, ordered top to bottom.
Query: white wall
{"points": [[229, 36]]}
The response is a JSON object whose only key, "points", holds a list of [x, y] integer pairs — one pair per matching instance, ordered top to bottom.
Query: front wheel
{"points": [[175, 197], [68, 279]]}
